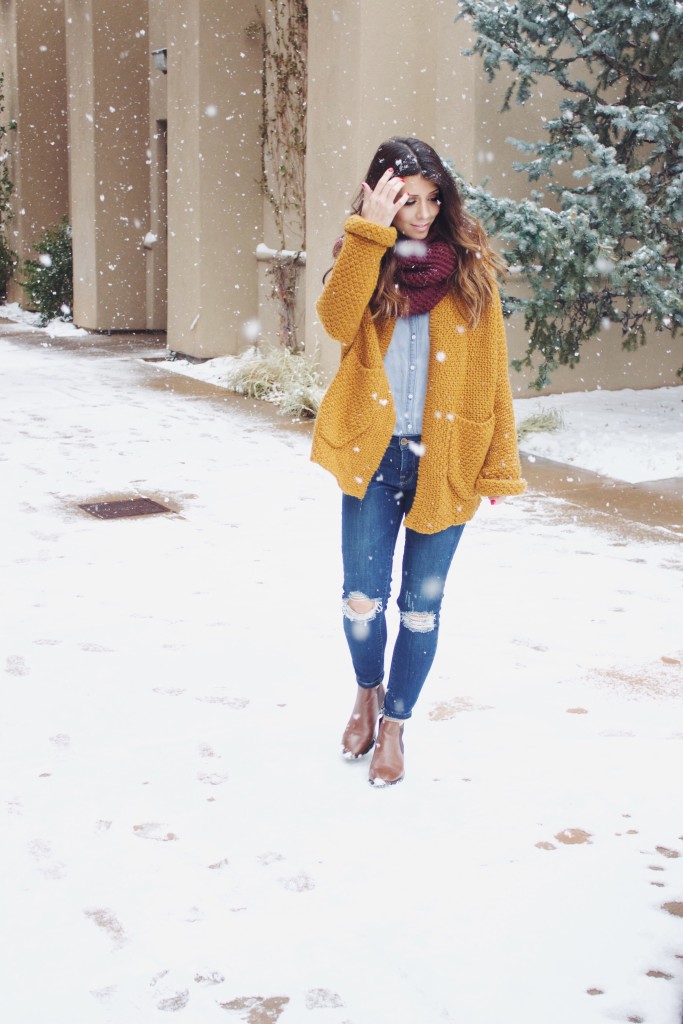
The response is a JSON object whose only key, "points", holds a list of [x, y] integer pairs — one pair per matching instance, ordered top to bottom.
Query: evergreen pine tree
{"points": [[601, 245]]}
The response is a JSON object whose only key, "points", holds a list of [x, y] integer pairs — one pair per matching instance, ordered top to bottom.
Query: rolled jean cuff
{"points": [[370, 686], [393, 718]]}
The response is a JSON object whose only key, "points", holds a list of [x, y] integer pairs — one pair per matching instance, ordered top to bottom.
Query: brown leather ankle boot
{"points": [[359, 734], [386, 767]]}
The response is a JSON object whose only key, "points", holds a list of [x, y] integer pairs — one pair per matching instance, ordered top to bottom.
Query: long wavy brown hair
{"points": [[476, 264]]}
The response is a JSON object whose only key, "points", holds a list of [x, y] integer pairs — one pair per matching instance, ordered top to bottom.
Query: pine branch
{"points": [[608, 252]]}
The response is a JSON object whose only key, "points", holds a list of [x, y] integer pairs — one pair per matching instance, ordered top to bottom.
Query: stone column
{"points": [[108, 67], [215, 209], [156, 249]]}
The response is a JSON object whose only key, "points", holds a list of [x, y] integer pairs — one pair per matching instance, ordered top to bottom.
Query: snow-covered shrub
{"points": [[48, 280], [287, 379], [543, 421]]}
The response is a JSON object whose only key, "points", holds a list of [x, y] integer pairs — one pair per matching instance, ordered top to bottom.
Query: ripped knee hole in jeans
{"points": [[364, 615], [416, 622]]}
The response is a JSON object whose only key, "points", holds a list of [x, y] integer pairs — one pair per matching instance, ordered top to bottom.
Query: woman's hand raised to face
{"points": [[381, 204]]}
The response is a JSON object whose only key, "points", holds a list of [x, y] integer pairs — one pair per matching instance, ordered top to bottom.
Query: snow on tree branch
{"points": [[604, 246]]}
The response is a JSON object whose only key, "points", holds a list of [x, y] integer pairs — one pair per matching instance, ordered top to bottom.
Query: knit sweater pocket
{"points": [[353, 399], [354, 424], [469, 445], [455, 451]]}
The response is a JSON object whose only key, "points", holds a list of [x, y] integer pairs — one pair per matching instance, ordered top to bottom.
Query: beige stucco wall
{"points": [[402, 75], [371, 77], [35, 96]]}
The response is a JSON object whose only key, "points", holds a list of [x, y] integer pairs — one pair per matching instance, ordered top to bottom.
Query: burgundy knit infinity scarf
{"points": [[423, 273]]}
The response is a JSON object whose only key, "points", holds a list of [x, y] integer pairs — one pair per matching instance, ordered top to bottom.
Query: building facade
{"points": [[142, 122]]}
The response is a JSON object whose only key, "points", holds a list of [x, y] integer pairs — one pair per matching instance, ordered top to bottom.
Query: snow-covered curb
{"points": [[55, 328], [218, 370], [290, 382]]}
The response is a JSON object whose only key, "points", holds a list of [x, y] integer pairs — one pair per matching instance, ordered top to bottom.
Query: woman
{"points": [[417, 424]]}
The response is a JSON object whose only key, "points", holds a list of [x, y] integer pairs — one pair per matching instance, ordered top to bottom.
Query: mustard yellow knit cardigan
{"points": [[468, 428]]}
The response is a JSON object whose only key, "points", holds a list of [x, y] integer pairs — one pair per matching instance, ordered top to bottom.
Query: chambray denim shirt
{"points": [[406, 364]]}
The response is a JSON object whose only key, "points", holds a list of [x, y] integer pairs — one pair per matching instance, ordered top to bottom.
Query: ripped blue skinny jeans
{"points": [[370, 528]]}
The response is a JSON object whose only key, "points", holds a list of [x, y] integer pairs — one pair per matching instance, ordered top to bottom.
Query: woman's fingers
{"points": [[389, 185], [382, 203]]}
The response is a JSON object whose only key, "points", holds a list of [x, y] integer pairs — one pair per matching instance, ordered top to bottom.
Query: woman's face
{"points": [[416, 217]]}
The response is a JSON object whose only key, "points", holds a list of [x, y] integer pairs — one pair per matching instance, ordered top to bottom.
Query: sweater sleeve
{"points": [[353, 279], [501, 473]]}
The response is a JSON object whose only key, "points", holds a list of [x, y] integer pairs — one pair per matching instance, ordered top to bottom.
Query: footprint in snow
{"points": [[16, 665], [237, 703], [448, 709], [61, 740], [206, 751], [212, 778], [153, 830], [568, 837], [41, 851], [666, 852], [269, 858], [298, 883], [109, 923], [209, 978], [601, 992], [103, 994], [169, 998], [322, 999], [171, 1004], [257, 1009]]}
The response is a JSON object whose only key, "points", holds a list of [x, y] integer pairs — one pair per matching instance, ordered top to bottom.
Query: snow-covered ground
{"points": [[630, 435], [179, 833]]}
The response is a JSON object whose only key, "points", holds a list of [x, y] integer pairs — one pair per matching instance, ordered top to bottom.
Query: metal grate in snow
{"points": [[124, 508]]}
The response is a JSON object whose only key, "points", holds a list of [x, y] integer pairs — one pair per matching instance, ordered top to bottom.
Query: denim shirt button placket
{"points": [[411, 374]]}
